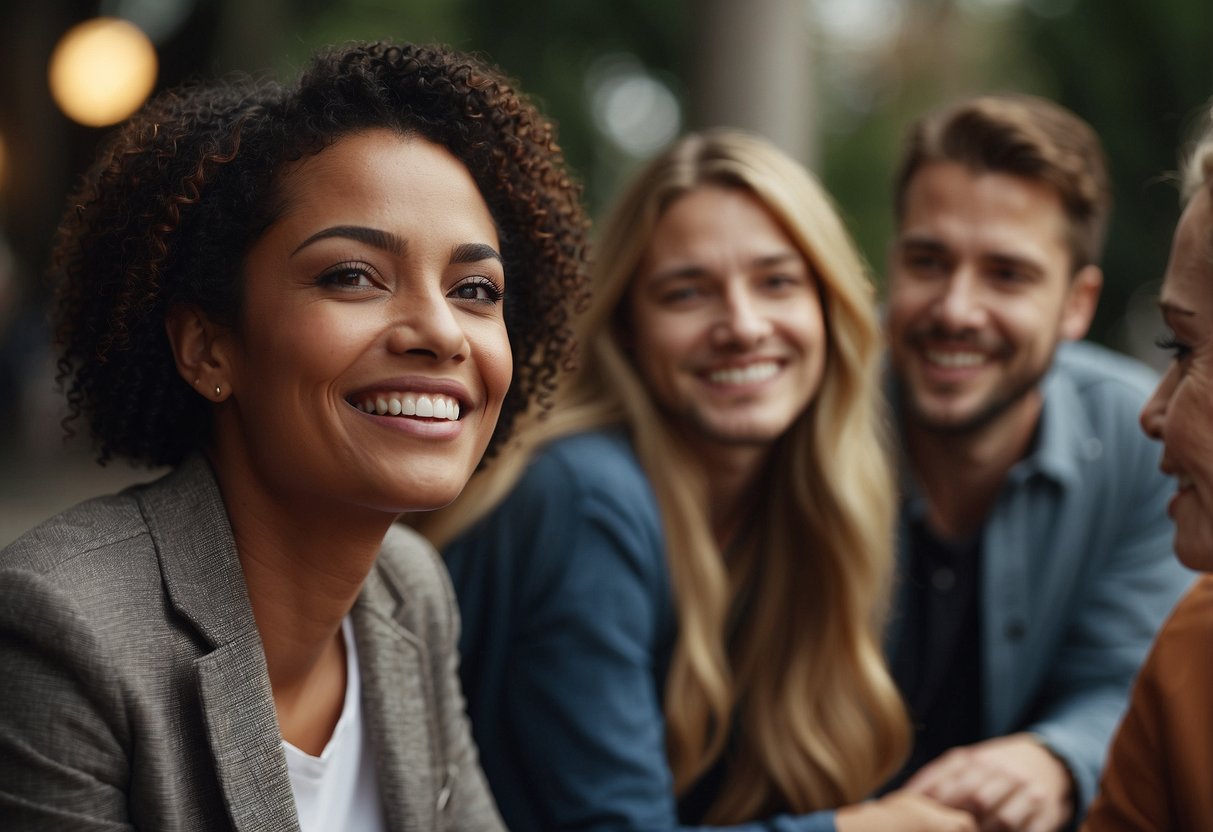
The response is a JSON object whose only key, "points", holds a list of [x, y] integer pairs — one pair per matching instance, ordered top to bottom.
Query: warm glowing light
{"points": [[102, 70]]}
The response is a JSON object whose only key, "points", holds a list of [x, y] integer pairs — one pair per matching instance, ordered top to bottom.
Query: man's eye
{"points": [[924, 262]]}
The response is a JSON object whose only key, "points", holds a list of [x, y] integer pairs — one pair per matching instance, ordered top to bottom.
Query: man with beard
{"points": [[1034, 542]]}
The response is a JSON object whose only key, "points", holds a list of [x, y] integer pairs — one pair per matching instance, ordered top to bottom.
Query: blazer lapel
{"points": [[203, 577], [395, 689], [242, 726]]}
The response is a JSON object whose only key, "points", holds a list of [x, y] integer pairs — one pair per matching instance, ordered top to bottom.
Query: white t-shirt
{"points": [[339, 789]]}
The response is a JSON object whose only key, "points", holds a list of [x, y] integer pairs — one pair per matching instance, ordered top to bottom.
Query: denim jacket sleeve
{"points": [[568, 616]]}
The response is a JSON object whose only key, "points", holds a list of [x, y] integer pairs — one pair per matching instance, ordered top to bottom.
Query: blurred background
{"points": [[834, 82]]}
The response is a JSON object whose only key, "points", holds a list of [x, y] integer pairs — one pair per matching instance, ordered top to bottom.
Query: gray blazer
{"points": [[133, 686]]}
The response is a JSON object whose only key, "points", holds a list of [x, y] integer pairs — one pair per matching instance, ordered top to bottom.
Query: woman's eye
{"points": [[351, 275], [782, 281], [479, 289], [680, 294], [1171, 344]]}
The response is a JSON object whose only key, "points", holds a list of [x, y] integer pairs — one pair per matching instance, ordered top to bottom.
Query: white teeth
{"points": [[955, 359], [744, 375], [421, 405]]}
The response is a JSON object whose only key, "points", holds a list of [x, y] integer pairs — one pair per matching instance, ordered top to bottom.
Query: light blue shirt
{"points": [[1077, 570]]}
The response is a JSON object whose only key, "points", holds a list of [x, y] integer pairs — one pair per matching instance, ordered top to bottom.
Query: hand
{"points": [[1010, 784], [905, 812]]}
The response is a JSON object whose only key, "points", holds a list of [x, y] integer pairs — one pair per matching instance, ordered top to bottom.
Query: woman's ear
{"points": [[199, 349]]}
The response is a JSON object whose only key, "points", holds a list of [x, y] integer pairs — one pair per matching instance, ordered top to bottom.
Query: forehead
{"points": [[378, 170], [982, 212], [716, 221], [1189, 278]]}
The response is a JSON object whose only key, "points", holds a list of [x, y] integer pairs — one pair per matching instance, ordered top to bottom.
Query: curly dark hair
{"points": [[178, 195]]}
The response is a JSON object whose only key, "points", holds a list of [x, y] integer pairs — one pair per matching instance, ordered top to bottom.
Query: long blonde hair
{"points": [[778, 653]]}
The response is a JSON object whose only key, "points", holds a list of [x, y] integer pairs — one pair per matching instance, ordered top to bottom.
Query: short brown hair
{"points": [[1020, 135]]}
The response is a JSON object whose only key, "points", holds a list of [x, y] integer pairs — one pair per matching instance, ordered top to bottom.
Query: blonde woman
{"points": [[673, 586]]}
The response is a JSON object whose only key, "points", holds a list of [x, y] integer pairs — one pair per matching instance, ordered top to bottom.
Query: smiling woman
{"points": [[322, 304], [675, 582], [1161, 760]]}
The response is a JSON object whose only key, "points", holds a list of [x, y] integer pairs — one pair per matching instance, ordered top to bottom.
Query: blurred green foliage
{"points": [[1135, 70]]}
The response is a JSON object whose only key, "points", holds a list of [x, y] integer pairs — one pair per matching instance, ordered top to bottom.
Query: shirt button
{"points": [[943, 579], [1015, 630]]}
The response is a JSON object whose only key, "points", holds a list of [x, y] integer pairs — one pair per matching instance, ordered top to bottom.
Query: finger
{"points": [[931, 775], [961, 789], [988, 797], [1017, 812], [1049, 820], [964, 822]]}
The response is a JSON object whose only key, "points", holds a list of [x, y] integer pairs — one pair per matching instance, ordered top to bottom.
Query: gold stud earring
{"points": [[218, 392]]}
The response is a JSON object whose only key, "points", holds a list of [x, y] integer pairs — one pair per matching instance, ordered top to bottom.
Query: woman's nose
{"points": [[745, 322], [427, 325], [1154, 413]]}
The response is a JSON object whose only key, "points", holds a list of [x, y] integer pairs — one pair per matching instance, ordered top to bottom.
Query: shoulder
{"points": [[1103, 375], [1092, 400], [598, 463], [588, 479], [582, 511], [100, 524], [86, 559], [411, 564], [410, 586], [77, 594], [1188, 633], [1175, 682]]}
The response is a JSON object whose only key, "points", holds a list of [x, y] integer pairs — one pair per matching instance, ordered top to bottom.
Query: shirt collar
{"points": [[1064, 440]]}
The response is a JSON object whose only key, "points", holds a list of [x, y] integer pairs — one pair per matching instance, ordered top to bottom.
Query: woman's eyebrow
{"points": [[374, 237], [474, 253]]}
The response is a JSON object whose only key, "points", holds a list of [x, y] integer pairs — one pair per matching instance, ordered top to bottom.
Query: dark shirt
{"points": [[939, 671]]}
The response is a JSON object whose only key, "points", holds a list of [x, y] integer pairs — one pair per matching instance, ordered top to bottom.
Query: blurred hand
{"points": [[1010, 784], [903, 811]]}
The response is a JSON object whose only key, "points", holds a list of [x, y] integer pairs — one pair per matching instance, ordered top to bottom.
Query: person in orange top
{"points": [[1160, 768]]}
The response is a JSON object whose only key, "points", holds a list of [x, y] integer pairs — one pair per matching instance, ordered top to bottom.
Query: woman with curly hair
{"points": [[309, 301], [673, 587]]}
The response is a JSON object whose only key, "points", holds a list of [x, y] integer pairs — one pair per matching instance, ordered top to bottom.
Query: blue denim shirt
{"points": [[1077, 568], [568, 618]]}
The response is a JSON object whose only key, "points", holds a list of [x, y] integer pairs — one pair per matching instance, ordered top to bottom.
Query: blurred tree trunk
{"points": [[752, 67]]}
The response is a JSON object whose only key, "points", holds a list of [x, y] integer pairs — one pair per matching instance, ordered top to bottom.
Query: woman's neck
{"points": [[732, 473], [304, 566]]}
